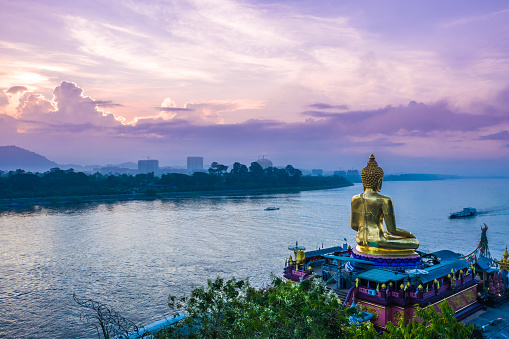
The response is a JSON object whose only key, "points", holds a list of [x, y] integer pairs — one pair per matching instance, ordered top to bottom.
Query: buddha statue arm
{"points": [[354, 214], [389, 218], [390, 221]]}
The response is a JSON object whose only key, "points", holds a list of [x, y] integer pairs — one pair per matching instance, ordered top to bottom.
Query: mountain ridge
{"points": [[14, 157]]}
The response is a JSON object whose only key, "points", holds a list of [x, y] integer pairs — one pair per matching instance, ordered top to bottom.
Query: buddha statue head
{"points": [[372, 175]]}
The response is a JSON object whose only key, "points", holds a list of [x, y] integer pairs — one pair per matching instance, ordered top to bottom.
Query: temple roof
{"points": [[324, 251], [446, 255], [360, 261], [484, 263], [443, 269], [381, 276]]}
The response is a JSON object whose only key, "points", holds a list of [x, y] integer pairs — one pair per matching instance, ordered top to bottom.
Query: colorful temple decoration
{"points": [[482, 249], [384, 274]]}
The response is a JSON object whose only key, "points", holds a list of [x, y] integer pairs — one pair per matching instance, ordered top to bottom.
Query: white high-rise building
{"points": [[194, 164], [148, 166]]}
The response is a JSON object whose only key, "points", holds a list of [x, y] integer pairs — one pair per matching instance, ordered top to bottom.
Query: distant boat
{"points": [[272, 208], [467, 212]]}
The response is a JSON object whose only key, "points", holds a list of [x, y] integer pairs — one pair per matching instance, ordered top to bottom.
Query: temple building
{"points": [[387, 276]]}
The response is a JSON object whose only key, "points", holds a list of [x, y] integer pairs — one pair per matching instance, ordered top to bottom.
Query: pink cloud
{"points": [[16, 89], [70, 117]]}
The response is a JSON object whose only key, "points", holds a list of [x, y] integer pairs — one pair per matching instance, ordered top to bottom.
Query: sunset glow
{"points": [[424, 85]]}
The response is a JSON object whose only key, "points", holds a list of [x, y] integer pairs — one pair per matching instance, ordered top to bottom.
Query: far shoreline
{"points": [[10, 204]]}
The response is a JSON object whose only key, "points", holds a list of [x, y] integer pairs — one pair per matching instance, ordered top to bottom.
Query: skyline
{"points": [[423, 86]]}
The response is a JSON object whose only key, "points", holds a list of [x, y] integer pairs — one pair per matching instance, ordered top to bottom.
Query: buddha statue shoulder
{"points": [[372, 216]]}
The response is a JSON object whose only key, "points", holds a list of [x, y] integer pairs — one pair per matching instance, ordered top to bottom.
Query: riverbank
{"points": [[15, 203]]}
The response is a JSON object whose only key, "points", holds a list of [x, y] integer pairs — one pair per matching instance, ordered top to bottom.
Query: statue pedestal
{"points": [[410, 261]]}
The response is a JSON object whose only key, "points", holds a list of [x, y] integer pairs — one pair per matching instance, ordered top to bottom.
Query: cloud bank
{"points": [[416, 130]]}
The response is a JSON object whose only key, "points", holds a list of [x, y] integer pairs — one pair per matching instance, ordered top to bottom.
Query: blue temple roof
{"points": [[324, 251], [446, 255], [360, 261], [484, 263], [444, 268], [434, 272], [381, 276]]}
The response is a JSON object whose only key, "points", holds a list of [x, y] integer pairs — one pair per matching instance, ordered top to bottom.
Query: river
{"points": [[131, 255]]}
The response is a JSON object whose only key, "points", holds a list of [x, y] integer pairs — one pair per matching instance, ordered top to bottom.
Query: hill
{"points": [[13, 158]]}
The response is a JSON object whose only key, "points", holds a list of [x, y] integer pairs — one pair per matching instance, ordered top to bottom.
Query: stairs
{"points": [[342, 294]]}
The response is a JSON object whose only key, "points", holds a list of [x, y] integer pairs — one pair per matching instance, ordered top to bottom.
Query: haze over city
{"points": [[422, 85]]}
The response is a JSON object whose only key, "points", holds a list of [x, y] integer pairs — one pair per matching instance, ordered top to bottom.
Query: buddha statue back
{"points": [[370, 211]]}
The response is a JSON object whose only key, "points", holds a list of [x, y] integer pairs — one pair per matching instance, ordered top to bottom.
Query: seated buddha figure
{"points": [[369, 212]]}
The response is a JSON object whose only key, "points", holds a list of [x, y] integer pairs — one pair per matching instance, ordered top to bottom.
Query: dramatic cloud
{"points": [[289, 79], [16, 89], [14, 96], [105, 103], [319, 105], [68, 106], [174, 109], [200, 113], [502, 135]]}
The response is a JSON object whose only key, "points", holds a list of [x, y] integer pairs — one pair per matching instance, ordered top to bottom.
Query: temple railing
{"points": [[401, 297]]}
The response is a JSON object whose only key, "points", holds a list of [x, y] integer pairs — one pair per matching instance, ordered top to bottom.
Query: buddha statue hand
{"points": [[403, 233]]}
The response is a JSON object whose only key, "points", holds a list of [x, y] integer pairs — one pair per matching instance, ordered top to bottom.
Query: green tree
{"points": [[218, 169], [256, 171], [234, 309], [432, 325]]}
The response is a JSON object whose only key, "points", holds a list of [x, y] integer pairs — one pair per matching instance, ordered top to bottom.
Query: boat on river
{"points": [[272, 208], [467, 212]]}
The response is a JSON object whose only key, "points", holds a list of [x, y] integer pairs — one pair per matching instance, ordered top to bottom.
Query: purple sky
{"points": [[422, 85]]}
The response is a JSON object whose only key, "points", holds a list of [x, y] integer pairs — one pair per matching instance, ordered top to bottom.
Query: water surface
{"points": [[131, 255]]}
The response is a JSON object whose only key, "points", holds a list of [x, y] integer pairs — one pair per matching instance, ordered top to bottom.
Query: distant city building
{"points": [[265, 163], [194, 164], [148, 166], [169, 170], [317, 172], [340, 173], [353, 175]]}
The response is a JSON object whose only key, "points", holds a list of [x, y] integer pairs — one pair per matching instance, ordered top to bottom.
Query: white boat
{"points": [[467, 212]]}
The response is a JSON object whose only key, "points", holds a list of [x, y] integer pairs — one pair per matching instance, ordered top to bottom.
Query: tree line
{"points": [[57, 182]]}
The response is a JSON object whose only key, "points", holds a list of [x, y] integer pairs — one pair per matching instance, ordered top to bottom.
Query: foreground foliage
{"points": [[234, 309], [107, 322], [434, 325]]}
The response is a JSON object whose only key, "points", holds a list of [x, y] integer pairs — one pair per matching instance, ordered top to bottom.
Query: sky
{"points": [[423, 85]]}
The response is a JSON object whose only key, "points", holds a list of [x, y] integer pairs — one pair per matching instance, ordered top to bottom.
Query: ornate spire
{"points": [[504, 262]]}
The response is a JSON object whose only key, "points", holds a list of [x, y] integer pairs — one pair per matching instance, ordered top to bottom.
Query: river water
{"points": [[131, 255]]}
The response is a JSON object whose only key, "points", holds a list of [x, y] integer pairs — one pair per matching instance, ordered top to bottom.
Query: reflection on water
{"points": [[131, 255]]}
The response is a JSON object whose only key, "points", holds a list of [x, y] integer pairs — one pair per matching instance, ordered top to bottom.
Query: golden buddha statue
{"points": [[369, 210]]}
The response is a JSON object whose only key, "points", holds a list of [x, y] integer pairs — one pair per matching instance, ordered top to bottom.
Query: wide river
{"points": [[131, 255]]}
